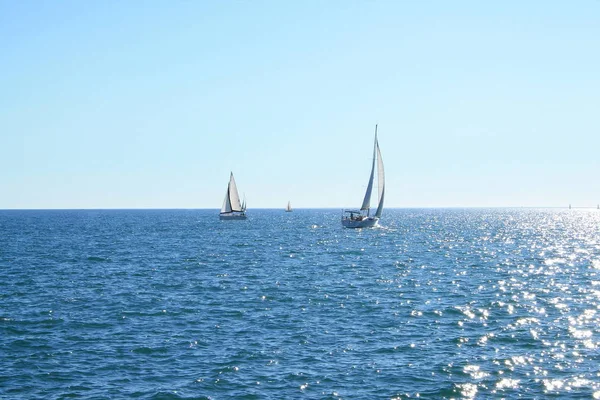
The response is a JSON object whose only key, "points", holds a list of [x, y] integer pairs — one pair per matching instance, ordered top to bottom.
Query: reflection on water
{"points": [[457, 303]]}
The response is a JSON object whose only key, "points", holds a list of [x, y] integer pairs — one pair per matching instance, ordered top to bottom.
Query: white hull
{"points": [[232, 215], [368, 222]]}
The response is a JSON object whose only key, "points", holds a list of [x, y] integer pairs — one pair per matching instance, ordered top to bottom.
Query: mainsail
{"points": [[232, 198], [367, 200]]}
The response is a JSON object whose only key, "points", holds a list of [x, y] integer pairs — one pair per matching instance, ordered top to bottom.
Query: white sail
{"points": [[380, 181], [232, 198], [367, 200], [226, 203], [232, 208], [288, 208], [362, 219]]}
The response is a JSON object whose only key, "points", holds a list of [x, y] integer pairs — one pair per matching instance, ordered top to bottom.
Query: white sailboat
{"points": [[232, 207], [288, 208], [362, 218]]}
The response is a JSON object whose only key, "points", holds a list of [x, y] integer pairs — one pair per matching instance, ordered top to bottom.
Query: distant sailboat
{"points": [[232, 208], [288, 208], [358, 218]]}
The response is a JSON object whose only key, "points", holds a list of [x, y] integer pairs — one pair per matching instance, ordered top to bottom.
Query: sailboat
{"points": [[232, 208], [288, 208], [362, 218]]}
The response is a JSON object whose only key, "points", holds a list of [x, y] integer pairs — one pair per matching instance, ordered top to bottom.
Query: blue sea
{"points": [[176, 304]]}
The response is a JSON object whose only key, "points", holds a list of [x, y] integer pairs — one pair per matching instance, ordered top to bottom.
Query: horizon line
{"points": [[281, 208]]}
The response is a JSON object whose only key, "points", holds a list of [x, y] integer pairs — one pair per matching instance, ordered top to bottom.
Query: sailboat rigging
{"points": [[232, 207], [362, 218]]}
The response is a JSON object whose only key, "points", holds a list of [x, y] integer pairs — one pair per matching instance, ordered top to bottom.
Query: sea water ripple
{"points": [[175, 304]]}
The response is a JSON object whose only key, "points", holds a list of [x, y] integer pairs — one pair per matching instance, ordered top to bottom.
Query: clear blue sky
{"points": [[150, 104]]}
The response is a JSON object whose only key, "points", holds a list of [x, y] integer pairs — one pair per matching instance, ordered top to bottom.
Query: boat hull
{"points": [[232, 216], [368, 222]]}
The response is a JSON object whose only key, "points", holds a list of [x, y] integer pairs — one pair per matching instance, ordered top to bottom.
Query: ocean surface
{"points": [[175, 304]]}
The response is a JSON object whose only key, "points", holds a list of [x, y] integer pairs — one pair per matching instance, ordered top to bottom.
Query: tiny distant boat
{"points": [[232, 207], [288, 208], [362, 218]]}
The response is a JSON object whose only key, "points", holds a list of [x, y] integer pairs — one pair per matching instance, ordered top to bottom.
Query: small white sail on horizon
{"points": [[232, 207], [288, 208], [358, 219]]}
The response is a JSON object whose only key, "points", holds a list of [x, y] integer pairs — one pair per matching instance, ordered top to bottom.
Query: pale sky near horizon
{"points": [[151, 104]]}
